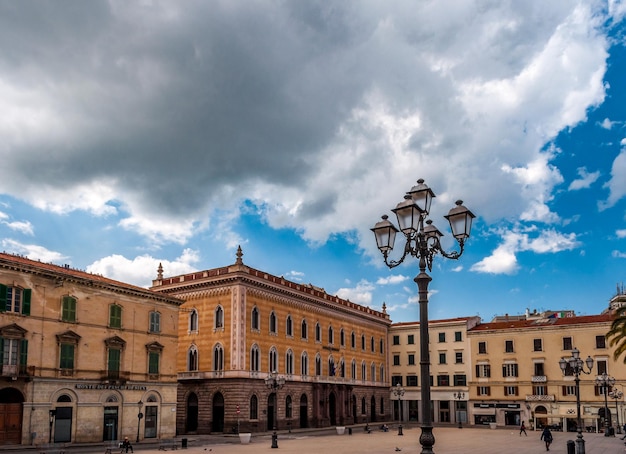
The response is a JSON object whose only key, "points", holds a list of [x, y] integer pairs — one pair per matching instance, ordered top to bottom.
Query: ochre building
{"points": [[240, 327]]}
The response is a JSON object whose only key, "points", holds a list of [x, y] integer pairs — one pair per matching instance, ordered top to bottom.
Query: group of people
{"points": [[546, 435]]}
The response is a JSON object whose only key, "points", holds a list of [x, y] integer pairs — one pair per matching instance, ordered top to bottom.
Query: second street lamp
{"points": [[422, 242], [605, 382], [274, 383], [398, 391], [617, 395], [459, 396]]}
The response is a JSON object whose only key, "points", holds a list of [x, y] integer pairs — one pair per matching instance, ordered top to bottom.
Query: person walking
{"points": [[522, 428], [546, 436], [126, 445]]}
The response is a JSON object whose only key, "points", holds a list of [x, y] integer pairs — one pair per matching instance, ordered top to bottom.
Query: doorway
{"points": [[271, 402], [332, 409], [304, 411], [192, 413], [218, 413], [110, 424], [63, 425], [150, 428]]}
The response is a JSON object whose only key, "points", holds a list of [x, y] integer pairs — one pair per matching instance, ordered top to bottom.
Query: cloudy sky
{"points": [[146, 132]]}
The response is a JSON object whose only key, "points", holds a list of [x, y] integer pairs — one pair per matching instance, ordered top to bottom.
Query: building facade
{"points": [[239, 325], [84, 358], [450, 369]]}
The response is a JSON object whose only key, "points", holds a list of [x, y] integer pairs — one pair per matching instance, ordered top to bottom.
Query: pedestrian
{"points": [[522, 428], [624, 431], [546, 436], [126, 445]]}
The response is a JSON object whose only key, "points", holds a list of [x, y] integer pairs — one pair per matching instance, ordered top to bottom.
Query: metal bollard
{"points": [[571, 447]]}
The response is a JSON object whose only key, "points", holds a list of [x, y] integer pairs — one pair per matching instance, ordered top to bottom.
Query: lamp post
{"points": [[422, 242], [575, 366], [605, 381], [274, 383], [398, 391], [617, 395], [459, 396], [51, 414], [139, 416]]}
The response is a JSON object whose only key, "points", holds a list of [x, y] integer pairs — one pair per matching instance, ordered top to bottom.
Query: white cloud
{"points": [[607, 124], [585, 181], [617, 184], [24, 227], [621, 233], [33, 251], [618, 254], [142, 269], [293, 275], [392, 280], [361, 294]]}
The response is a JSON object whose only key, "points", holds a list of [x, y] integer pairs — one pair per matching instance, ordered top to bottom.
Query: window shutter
{"points": [[26, 293], [3, 298], [1, 350], [23, 352], [503, 370]]}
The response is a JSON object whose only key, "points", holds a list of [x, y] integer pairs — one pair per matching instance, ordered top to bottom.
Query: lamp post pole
{"points": [[422, 242], [575, 366], [605, 381], [274, 383], [398, 391], [617, 395], [459, 397], [139, 416]]}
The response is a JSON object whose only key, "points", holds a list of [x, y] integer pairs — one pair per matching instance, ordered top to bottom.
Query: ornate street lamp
{"points": [[422, 242], [575, 366], [605, 382], [274, 383], [398, 391], [617, 395], [459, 396], [139, 416]]}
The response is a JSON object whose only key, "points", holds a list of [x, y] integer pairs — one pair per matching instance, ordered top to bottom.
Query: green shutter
{"points": [[26, 293], [3, 298], [68, 311], [115, 316], [1, 350], [23, 352], [67, 356], [114, 360], [153, 363]]}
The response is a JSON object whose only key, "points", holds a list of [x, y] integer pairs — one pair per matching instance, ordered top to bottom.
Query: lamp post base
{"points": [[400, 429], [274, 440], [427, 440], [580, 443]]}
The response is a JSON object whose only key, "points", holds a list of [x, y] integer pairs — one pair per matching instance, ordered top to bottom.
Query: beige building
{"points": [[239, 324], [84, 358], [450, 369], [517, 376]]}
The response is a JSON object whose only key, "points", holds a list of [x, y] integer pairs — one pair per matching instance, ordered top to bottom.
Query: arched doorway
{"points": [[11, 401], [271, 402], [332, 409], [373, 410], [304, 411], [192, 413], [218, 413], [354, 413], [604, 414], [541, 417], [63, 420]]}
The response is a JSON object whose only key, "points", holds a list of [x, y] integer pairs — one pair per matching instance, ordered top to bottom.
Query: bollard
{"points": [[349, 430], [571, 447]]}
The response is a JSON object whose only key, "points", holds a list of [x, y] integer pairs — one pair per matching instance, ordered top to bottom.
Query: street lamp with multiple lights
{"points": [[422, 242], [576, 366], [605, 381], [274, 383], [398, 391], [617, 395], [459, 396]]}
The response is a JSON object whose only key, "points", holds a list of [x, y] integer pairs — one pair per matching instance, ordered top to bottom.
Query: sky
{"points": [[134, 133]]}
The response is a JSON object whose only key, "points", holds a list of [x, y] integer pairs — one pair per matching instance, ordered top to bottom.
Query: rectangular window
{"points": [[14, 299], [68, 309], [115, 316], [155, 322], [458, 336], [442, 337], [411, 339], [396, 340], [600, 342], [567, 343], [537, 345], [508, 346], [482, 348], [67, 356], [458, 357], [442, 358], [411, 359], [396, 360], [114, 363], [153, 363], [602, 366], [539, 369], [483, 370], [509, 370], [396, 380], [411, 380], [443, 380], [460, 380], [484, 390], [510, 390], [540, 390], [569, 390]]}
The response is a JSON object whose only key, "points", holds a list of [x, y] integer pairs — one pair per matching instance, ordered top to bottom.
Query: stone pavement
{"points": [[448, 440]]}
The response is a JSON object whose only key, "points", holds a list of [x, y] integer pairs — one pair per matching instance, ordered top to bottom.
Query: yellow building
{"points": [[239, 324], [83, 357], [450, 369], [517, 375]]}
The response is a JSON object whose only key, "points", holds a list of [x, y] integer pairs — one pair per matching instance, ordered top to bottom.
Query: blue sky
{"points": [[139, 133]]}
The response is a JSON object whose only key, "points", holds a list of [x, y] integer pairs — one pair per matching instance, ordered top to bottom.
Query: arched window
{"points": [[219, 317], [255, 319], [193, 321], [289, 326], [273, 327], [304, 330], [318, 333], [331, 335], [342, 338], [353, 340], [362, 341], [372, 344], [192, 358], [218, 358], [254, 358], [273, 360], [289, 362], [304, 364], [318, 365], [331, 367], [342, 368], [353, 370], [363, 371], [373, 372], [382, 373], [64, 398], [254, 407], [363, 407], [288, 410]]}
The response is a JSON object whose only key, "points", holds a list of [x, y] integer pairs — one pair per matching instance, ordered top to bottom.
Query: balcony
{"points": [[115, 376], [538, 379], [540, 397]]}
